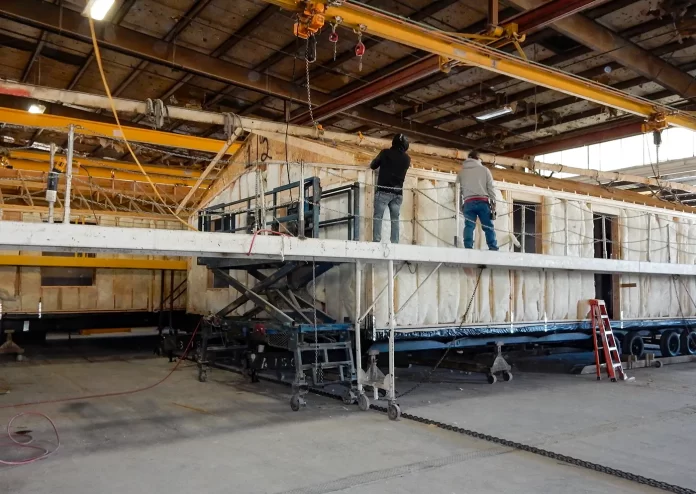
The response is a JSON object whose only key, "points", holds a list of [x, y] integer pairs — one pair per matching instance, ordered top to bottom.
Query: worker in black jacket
{"points": [[393, 164]]}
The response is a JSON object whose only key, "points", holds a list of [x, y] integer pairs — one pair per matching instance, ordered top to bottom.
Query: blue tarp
{"points": [[443, 332]]}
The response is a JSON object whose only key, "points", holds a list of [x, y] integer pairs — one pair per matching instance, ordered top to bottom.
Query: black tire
{"points": [[688, 342], [670, 343], [633, 344], [619, 346], [202, 376], [507, 376], [491, 378], [363, 402], [295, 403], [394, 412]]}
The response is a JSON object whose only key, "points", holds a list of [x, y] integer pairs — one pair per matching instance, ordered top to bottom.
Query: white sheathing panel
{"points": [[427, 229], [685, 232], [447, 277], [407, 282], [556, 296]]}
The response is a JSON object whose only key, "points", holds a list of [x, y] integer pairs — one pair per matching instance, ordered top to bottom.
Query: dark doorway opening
{"points": [[604, 249]]}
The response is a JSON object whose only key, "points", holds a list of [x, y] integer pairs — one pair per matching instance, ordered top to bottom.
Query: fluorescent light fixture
{"points": [[97, 9], [37, 109], [498, 112], [8, 139]]}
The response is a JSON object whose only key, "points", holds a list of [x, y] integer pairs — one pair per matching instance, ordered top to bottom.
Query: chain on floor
{"points": [[614, 472]]}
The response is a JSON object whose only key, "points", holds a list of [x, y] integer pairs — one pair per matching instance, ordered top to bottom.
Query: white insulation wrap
{"points": [[428, 218]]}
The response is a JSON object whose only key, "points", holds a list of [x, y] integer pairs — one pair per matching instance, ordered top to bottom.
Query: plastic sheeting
{"points": [[531, 328]]}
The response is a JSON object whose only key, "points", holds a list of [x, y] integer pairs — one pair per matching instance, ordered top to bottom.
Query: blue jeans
{"points": [[382, 200], [482, 211]]}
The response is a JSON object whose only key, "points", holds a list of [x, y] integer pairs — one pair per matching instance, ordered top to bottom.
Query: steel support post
{"points": [[492, 12], [52, 157], [68, 175], [301, 205], [565, 216], [523, 229], [459, 231], [649, 237], [605, 252], [171, 299], [392, 325], [358, 336]]}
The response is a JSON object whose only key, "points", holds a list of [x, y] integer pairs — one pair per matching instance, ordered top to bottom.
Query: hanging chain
{"points": [[308, 61]]}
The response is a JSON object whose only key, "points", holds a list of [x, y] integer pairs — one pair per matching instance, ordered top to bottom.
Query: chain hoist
{"points": [[310, 20], [360, 47]]}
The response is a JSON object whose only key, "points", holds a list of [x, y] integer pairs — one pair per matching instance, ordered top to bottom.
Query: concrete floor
{"points": [[229, 436]]}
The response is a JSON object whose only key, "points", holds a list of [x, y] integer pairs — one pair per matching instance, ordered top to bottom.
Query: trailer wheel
{"points": [[688, 342], [669, 343], [633, 344], [491, 378]]}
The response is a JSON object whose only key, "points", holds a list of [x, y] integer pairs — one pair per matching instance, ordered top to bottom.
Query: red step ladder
{"points": [[605, 342]]}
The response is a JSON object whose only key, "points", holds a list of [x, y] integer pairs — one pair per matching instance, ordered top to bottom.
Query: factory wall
{"points": [[564, 226], [112, 289]]}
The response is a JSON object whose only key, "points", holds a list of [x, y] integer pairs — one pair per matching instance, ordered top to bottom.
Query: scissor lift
{"points": [[283, 329]]}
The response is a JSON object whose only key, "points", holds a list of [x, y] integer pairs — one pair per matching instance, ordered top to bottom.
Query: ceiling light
{"points": [[97, 9], [37, 109], [498, 112], [40, 146]]}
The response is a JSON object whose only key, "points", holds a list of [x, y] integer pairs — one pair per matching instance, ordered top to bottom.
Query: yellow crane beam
{"points": [[450, 46], [99, 129], [78, 161], [89, 172], [36, 183], [24, 260]]}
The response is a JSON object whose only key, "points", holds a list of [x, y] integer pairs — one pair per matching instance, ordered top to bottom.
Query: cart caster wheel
{"points": [[19, 357], [658, 364], [202, 376], [507, 376], [492, 379], [348, 397], [296, 402], [363, 402], [394, 412]]}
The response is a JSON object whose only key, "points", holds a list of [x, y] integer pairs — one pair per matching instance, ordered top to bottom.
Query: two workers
{"points": [[476, 184]]}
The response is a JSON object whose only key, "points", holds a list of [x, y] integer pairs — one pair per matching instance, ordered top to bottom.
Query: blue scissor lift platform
{"points": [[278, 325]]}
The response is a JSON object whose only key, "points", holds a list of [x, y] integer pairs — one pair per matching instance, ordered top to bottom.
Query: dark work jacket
{"points": [[393, 164]]}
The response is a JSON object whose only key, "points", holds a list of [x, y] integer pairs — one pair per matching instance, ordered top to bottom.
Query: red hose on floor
{"points": [[45, 453]]}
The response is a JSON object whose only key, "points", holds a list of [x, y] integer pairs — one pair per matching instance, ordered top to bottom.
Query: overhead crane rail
{"points": [[452, 47]]}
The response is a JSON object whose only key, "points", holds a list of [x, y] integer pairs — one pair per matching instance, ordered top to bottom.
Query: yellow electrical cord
{"points": [[97, 55]]}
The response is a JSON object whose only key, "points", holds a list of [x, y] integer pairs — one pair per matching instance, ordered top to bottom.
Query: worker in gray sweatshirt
{"points": [[478, 200]]}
